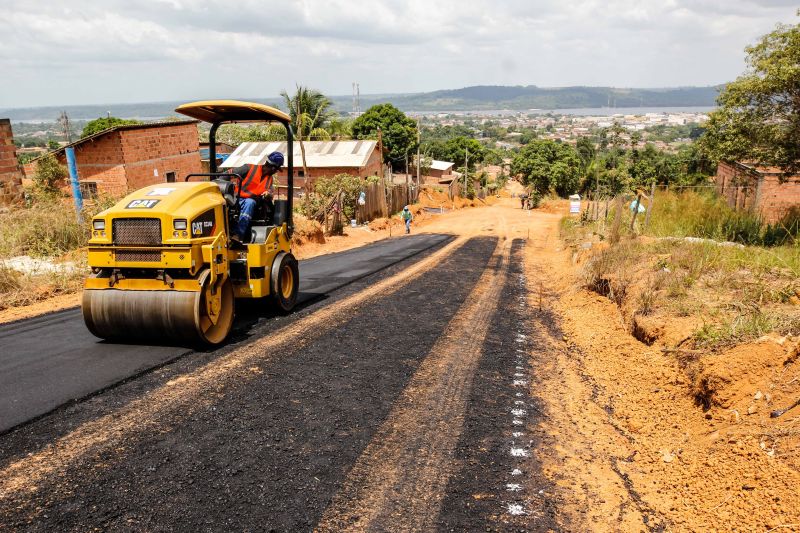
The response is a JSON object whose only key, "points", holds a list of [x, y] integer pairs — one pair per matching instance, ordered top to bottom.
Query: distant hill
{"points": [[479, 97], [533, 97]]}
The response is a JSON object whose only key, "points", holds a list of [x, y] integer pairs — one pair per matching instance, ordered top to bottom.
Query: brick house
{"points": [[128, 157], [323, 158], [441, 169], [10, 174], [758, 189]]}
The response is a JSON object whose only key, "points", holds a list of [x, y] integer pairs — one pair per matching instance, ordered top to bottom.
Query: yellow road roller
{"points": [[163, 264]]}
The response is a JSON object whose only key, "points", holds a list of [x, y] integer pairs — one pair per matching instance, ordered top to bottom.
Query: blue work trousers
{"points": [[247, 206], [408, 225]]}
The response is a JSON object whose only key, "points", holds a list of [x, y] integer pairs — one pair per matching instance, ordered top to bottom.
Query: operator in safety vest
{"points": [[256, 182]]}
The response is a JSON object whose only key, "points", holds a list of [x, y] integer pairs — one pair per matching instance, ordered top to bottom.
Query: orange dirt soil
{"points": [[634, 446]]}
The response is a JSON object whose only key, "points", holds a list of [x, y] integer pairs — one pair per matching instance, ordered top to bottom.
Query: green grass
{"points": [[706, 215], [48, 228], [745, 327]]}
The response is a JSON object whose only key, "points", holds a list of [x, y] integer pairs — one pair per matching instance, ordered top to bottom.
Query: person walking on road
{"points": [[407, 218]]}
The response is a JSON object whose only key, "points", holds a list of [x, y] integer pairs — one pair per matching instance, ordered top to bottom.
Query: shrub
{"points": [[49, 174], [326, 189]]}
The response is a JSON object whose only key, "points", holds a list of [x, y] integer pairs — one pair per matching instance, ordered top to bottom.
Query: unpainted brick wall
{"points": [[150, 153], [101, 160], [126, 160], [10, 173], [142, 173], [737, 187], [761, 192], [776, 199]]}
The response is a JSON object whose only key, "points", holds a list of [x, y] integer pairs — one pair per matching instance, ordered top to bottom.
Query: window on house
{"points": [[170, 177], [88, 189]]}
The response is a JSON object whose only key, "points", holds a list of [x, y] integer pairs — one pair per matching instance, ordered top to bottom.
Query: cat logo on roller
{"points": [[142, 204], [204, 225]]}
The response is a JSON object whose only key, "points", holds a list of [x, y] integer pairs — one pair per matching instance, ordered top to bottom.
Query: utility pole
{"points": [[65, 126], [380, 150], [418, 159], [466, 169], [408, 182]]}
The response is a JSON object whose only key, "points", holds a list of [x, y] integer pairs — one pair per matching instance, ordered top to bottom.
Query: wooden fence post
{"points": [[650, 206], [636, 209], [617, 219]]}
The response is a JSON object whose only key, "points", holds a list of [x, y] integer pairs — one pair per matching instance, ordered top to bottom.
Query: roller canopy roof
{"points": [[232, 111]]}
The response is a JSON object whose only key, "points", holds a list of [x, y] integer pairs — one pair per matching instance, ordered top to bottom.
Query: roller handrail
{"points": [[212, 175]]}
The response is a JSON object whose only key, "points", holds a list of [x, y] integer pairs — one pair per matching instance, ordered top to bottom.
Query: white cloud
{"points": [[99, 51]]}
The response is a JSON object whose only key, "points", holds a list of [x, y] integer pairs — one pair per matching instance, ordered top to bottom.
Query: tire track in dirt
{"points": [[185, 393], [398, 482]]}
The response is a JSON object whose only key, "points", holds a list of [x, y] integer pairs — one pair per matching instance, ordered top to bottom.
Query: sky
{"points": [[117, 51]]}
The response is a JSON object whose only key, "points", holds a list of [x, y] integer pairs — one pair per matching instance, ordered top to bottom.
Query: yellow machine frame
{"points": [[189, 267]]}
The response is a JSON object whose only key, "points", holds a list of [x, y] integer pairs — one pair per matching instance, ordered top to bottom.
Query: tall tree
{"points": [[310, 110], [759, 115], [399, 131], [545, 165]]}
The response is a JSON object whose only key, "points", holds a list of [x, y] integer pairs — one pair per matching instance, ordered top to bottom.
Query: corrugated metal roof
{"points": [[319, 154], [441, 165]]}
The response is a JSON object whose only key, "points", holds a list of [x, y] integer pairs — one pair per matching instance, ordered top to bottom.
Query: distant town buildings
{"points": [[567, 128]]}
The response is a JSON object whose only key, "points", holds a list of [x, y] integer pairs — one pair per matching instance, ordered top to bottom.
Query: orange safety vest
{"points": [[255, 183]]}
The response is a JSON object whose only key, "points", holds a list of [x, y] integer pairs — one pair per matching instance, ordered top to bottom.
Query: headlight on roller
{"points": [[99, 224], [179, 224]]}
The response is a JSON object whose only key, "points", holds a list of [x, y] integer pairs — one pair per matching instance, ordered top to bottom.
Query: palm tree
{"points": [[310, 111]]}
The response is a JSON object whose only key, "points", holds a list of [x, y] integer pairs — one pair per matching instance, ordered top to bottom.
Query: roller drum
{"points": [[136, 314]]}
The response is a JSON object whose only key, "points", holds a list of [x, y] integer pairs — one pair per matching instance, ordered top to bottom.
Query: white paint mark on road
{"points": [[519, 375], [520, 382], [519, 402], [519, 412], [517, 422], [516, 434], [519, 452], [516, 472], [513, 487], [516, 509]]}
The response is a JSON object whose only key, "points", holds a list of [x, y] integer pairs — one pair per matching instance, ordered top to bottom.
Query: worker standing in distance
{"points": [[255, 182], [407, 218]]}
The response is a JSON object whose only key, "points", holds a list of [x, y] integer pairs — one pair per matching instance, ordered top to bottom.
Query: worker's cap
{"points": [[275, 159], [405, 208]]}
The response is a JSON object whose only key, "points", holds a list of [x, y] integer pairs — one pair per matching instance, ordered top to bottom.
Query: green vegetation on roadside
{"points": [[732, 294]]}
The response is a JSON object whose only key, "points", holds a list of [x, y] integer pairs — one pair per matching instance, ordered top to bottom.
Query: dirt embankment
{"points": [[673, 373]]}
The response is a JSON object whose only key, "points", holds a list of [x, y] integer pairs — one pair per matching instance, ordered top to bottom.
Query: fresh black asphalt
{"points": [[51, 360]]}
